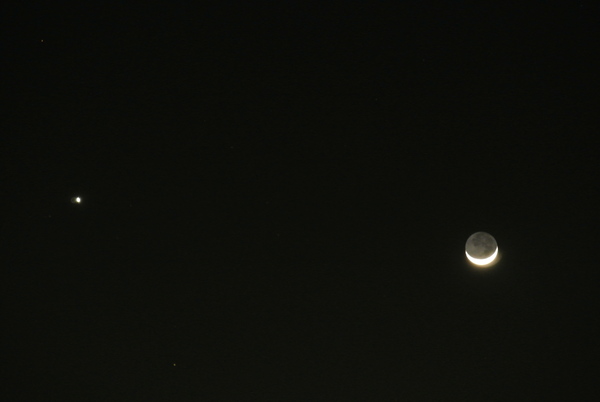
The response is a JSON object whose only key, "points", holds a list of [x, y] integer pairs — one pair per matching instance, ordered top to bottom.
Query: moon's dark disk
{"points": [[481, 245]]}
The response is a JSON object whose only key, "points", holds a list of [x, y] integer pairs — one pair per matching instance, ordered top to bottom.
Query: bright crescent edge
{"points": [[482, 261]]}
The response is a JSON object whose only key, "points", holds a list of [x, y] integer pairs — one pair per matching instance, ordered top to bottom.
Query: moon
{"points": [[76, 200], [481, 248]]}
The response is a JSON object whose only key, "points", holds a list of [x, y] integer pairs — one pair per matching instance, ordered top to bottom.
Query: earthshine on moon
{"points": [[481, 249]]}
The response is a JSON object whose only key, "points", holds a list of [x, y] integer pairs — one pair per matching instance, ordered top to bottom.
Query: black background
{"points": [[276, 201]]}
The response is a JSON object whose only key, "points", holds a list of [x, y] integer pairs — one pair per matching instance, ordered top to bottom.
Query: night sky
{"points": [[276, 200]]}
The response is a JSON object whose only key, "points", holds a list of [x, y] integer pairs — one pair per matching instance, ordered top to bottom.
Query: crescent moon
{"points": [[483, 261]]}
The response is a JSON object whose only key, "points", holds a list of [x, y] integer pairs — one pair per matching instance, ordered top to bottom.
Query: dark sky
{"points": [[276, 201]]}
